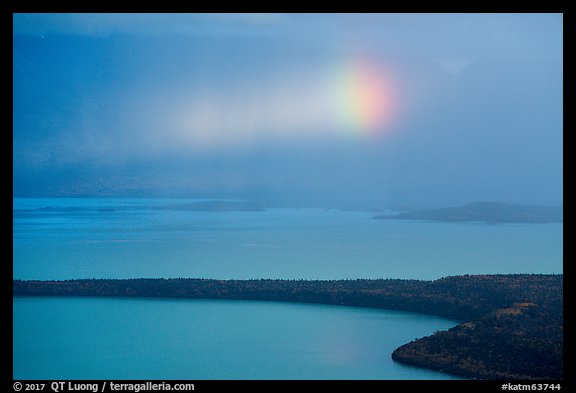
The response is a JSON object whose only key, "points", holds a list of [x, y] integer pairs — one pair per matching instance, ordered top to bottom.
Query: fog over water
{"points": [[330, 110]]}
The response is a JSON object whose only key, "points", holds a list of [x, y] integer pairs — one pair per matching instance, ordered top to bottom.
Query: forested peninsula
{"points": [[511, 325]]}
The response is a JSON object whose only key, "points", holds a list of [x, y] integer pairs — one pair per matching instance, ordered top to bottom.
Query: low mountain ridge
{"points": [[488, 212]]}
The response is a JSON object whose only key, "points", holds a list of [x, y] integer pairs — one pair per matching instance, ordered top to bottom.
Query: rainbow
{"points": [[363, 98], [354, 99]]}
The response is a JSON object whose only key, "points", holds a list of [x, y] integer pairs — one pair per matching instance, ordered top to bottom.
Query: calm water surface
{"points": [[125, 238], [119, 338]]}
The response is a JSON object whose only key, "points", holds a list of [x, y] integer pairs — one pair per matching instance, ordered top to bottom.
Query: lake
{"points": [[70, 238], [107, 338], [120, 338]]}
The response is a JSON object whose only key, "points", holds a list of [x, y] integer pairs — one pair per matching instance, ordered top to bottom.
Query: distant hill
{"points": [[489, 212]]}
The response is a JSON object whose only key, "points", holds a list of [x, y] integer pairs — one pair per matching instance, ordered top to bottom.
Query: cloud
{"points": [[102, 24], [336, 100], [466, 105]]}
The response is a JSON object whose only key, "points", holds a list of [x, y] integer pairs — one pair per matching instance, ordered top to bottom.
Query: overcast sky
{"points": [[366, 110]]}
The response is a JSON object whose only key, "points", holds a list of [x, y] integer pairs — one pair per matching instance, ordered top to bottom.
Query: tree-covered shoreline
{"points": [[511, 324]]}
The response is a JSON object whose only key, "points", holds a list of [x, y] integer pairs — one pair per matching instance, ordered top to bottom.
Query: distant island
{"points": [[195, 206], [216, 206], [488, 212], [512, 325]]}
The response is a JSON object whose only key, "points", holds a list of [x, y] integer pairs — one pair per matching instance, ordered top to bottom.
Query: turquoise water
{"points": [[126, 238], [84, 338], [118, 338]]}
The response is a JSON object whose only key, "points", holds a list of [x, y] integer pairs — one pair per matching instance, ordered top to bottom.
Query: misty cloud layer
{"points": [[466, 107]]}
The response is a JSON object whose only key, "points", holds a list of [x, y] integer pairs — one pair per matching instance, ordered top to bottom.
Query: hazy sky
{"points": [[346, 110]]}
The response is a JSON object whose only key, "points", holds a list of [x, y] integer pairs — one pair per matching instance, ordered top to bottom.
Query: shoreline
{"points": [[523, 304]]}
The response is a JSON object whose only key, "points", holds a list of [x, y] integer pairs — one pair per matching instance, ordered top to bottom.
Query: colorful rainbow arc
{"points": [[364, 101]]}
